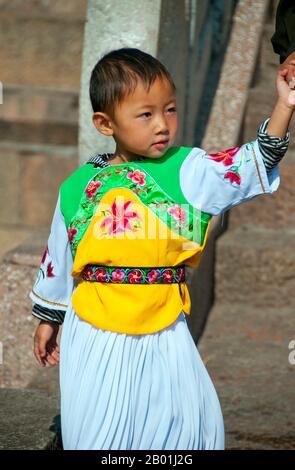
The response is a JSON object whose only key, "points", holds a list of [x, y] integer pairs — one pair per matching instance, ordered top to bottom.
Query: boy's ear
{"points": [[103, 123]]}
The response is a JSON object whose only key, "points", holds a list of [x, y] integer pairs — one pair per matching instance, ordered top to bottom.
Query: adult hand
{"points": [[289, 64], [285, 95]]}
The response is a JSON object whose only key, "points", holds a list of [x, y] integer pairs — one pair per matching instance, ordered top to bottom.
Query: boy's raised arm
{"points": [[214, 183]]}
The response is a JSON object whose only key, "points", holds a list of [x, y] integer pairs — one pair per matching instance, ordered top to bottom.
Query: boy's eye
{"points": [[145, 115]]}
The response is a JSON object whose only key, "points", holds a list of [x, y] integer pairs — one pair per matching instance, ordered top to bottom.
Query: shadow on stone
{"points": [[56, 442]]}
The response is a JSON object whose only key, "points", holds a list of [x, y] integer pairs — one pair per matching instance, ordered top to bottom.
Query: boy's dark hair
{"points": [[117, 74]]}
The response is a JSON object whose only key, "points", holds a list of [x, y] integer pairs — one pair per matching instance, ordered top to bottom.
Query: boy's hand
{"points": [[286, 96], [46, 348]]}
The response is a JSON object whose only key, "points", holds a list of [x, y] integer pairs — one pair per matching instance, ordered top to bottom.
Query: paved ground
{"points": [[245, 350], [29, 419]]}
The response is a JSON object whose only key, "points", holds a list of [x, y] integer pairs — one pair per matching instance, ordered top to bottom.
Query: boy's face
{"points": [[145, 122]]}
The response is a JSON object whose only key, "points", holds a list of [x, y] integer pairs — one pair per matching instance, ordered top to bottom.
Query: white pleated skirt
{"points": [[131, 392]]}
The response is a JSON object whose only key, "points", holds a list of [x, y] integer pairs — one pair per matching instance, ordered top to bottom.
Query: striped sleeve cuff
{"points": [[272, 148], [47, 314]]}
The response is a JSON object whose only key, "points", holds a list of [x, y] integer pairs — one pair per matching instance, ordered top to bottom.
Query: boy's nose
{"points": [[162, 126]]}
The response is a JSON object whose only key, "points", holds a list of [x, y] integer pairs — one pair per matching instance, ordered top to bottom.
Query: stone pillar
{"points": [[110, 26]]}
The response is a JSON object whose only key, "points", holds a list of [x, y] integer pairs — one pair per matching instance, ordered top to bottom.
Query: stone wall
{"points": [[43, 43], [40, 74]]}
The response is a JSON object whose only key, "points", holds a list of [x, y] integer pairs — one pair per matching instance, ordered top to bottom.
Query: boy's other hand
{"points": [[289, 64], [286, 96], [46, 349]]}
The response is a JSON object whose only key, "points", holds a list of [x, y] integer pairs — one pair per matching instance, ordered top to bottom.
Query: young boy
{"points": [[131, 376]]}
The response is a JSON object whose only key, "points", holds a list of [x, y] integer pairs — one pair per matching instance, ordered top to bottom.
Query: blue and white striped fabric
{"points": [[272, 148], [48, 314], [133, 392]]}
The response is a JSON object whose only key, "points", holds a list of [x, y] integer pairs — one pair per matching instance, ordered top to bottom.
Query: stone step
{"points": [[53, 10], [42, 43], [39, 115], [39, 132], [30, 176], [255, 265], [19, 269], [246, 352], [29, 419]]}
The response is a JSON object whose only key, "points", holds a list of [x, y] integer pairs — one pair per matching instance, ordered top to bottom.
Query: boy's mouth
{"points": [[160, 144]]}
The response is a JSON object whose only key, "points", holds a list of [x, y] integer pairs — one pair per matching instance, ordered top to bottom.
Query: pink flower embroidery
{"points": [[225, 156], [137, 177], [233, 177], [92, 188], [177, 212], [119, 221], [71, 233], [44, 255], [50, 272], [89, 273], [179, 273], [101, 275], [118, 275], [153, 275], [135, 276], [168, 276]]}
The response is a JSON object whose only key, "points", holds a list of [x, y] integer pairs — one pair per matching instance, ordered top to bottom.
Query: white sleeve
{"points": [[214, 183], [54, 284]]}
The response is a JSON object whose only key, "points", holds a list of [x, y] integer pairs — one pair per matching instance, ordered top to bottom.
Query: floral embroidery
{"points": [[225, 156], [233, 174], [137, 176], [233, 177], [92, 188], [178, 213], [120, 219], [188, 222], [71, 233], [44, 255], [49, 270], [46, 271], [180, 274], [100, 275], [118, 275], [124, 275], [153, 276], [168, 276], [135, 277]]}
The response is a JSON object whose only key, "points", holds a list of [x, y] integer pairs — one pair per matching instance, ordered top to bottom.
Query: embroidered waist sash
{"points": [[134, 275]]}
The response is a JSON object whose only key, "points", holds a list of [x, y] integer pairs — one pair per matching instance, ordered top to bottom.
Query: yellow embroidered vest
{"points": [[132, 215]]}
